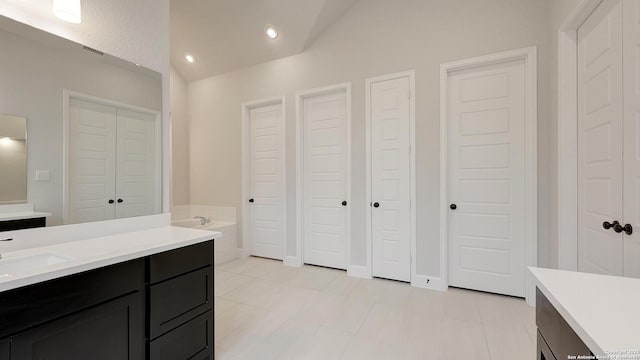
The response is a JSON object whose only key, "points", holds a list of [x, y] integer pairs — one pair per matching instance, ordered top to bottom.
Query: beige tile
{"points": [[314, 277], [225, 282], [342, 285], [461, 305], [264, 310], [347, 315], [464, 340], [326, 344], [507, 344]]}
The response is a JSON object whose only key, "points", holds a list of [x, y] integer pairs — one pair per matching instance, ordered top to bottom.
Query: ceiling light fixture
{"points": [[68, 10], [271, 31], [189, 58]]}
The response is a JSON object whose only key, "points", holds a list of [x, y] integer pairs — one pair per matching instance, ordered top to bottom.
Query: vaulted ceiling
{"points": [[227, 35]]}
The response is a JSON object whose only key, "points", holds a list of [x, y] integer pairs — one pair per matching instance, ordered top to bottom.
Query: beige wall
{"points": [[560, 10], [375, 37], [179, 141]]}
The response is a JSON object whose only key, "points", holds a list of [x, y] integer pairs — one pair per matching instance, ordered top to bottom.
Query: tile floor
{"points": [[264, 310]]}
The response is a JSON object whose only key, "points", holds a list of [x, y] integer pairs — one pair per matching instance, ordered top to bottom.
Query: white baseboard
{"points": [[292, 261], [362, 272], [427, 282]]}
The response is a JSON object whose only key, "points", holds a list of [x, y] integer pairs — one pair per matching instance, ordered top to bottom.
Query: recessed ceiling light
{"points": [[68, 10], [271, 31], [189, 58]]}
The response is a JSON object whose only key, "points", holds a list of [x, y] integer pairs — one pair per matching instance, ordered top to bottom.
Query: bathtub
{"points": [[223, 219]]}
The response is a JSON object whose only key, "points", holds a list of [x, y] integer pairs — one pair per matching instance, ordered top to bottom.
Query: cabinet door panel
{"points": [[180, 299], [114, 330], [193, 340], [4, 350]]}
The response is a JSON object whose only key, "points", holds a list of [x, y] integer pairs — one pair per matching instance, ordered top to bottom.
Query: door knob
{"points": [[120, 200], [250, 200], [111, 201], [344, 203], [376, 204], [453, 206], [607, 225], [617, 227], [628, 229]]}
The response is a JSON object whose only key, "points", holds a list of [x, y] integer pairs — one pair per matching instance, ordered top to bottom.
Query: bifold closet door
{"points": [[631, 36], [324, 122], [486, 129], [600, 140], [92, 162], [267, 162], [390, 178], [136, 182]]}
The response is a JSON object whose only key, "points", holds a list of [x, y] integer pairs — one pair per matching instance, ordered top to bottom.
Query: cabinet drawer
{"points": [[172, 263], [180, 299], [557, 333], [192, 340], [544, 353]]}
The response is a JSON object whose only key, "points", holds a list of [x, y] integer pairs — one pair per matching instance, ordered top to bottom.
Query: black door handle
{"points": [[120, 200], [250, 200], [111, 201], [344, 203], [376, 204], [453, 206], [607, 225], [617, 227], [628, 229]]}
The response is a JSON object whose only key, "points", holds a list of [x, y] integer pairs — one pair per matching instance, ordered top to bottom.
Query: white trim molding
{"points": [[529, 55], [411, 74], [67, 95], [300, 96], [568, 134], [246, 171]]}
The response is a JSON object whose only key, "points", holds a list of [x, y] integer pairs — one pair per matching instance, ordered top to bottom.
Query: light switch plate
{"points": [[42, 175]]}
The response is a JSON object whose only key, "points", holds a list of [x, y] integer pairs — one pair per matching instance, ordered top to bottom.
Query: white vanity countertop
{"points": [[21, 215], [89, 254], [604, 311]]}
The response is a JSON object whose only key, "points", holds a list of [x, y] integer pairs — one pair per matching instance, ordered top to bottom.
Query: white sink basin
{"points": [[12, 266]]}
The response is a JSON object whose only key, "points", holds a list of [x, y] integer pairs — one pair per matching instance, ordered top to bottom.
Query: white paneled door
{"points": [[390, 113], [486, 127], [632, 136], [600, 144], [92, 162], [114, 162], [325, 178], [267, 182], [136, 183]]}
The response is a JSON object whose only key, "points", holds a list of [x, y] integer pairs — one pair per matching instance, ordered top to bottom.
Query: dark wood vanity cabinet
{"points": [[21, 224], [180, 294], [158, 307], [556, 339]]}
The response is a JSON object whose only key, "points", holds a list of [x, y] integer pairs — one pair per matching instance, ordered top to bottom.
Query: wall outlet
{"points": [[42, 175]]}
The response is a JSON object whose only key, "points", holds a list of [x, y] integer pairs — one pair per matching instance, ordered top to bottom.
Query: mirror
{"points": [[94, 125], [13, 160]]}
